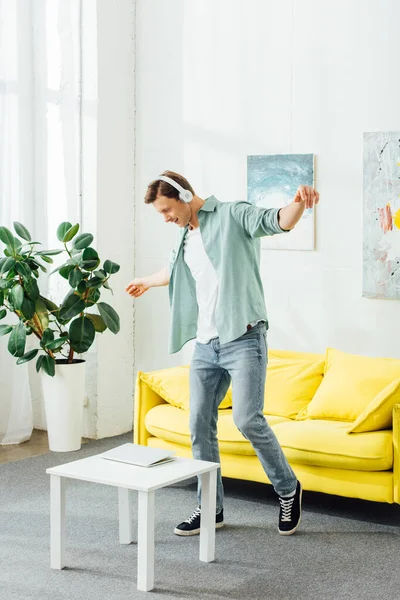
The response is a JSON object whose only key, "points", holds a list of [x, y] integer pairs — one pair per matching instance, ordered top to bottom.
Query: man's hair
{"points": [[162, 188]]}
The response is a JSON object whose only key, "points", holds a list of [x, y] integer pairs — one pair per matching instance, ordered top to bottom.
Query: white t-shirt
{"points": [[206, 280]]}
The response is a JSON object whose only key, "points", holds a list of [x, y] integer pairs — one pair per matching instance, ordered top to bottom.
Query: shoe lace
{"points": [[286, 508], [196, 513]]}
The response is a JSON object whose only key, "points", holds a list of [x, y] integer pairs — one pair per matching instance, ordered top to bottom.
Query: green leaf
{"points": [[62, 230], [22, 231], [71, 233], [7, 237], [83, 241], [17, 244], [32, 244], [48, 252], [89, 254], [47, 259], [2, 261], [32, 264], [7, 265], [89, 265], [111, 267], [24, 270], [66, 270], [100, 273], [75, 277], [95, 282], [5, 284], [82, 287], [108, 287], [31, 289], [17, 296], [93, 296], [1, 298], [51, 306], [72, 307], [28, 308], [41, 311], [3, 313], [110, 317], [97, 321], [4, 329], [81, 334], [48, 336], [17, 340], [56, 344], [28, 356], [39, 363], [49, 365]]}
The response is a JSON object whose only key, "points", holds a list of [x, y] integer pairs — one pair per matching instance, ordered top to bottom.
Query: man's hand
{"points": [[308, 195], [136, 288]]}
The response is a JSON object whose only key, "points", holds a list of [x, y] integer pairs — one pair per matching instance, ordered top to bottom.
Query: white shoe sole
{"points": [[194, 531], [292, 531]]}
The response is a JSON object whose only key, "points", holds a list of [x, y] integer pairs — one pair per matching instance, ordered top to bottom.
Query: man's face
{"points": [[173, 211]]}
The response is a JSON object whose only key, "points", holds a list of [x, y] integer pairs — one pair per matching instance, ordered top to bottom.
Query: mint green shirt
{"points": [[230, 232]]}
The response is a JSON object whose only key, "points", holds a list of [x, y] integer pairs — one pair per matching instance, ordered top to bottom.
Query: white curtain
{"points": [[40, 162]]}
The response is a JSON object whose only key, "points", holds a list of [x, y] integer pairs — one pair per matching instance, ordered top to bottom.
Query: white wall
{"points": [[220, 79]]}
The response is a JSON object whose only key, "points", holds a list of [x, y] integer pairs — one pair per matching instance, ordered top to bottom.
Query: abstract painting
{"points": [[272, 182], [381, 241]]}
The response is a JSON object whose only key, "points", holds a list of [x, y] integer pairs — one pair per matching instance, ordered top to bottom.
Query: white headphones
{"points": [[184, 195]]}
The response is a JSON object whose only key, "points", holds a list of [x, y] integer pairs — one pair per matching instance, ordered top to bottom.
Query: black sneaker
{"points": [[290, 513], [192, 525]]}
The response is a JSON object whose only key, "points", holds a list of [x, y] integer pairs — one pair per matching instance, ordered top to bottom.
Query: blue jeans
{"points": [[244, 362]]}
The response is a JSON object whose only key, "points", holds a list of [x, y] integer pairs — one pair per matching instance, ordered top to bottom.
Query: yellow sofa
{"points": [[337, 417]]}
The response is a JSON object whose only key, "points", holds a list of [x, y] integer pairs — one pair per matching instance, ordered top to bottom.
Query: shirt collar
{"points": [[210, 204]]}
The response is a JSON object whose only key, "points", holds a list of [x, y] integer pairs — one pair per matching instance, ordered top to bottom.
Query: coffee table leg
{"points": [[125, 516], [57, 521], [207, 521], [145, 575]]}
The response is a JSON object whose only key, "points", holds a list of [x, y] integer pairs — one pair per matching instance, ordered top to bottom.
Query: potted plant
{"points": [[62, 331]]}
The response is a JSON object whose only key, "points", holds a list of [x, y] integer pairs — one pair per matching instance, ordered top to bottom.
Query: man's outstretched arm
{"points": [[290, 215], [139, 286]]}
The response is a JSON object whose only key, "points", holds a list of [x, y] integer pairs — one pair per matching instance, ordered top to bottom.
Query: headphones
{"points": [[184, 195]]}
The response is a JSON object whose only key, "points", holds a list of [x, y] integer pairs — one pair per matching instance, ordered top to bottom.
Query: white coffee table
{"points": [[145, 481]]}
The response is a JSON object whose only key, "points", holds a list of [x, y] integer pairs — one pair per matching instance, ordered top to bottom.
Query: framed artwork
{"points": [[272, 182], [381, 222]]}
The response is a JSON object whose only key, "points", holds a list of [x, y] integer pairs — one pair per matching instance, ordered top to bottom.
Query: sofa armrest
{"points": [[145, 400], [396, 453]]}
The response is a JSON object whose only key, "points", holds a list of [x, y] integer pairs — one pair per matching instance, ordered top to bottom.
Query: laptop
{"points": [[140, 456]]}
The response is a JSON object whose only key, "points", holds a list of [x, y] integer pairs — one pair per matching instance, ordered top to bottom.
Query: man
{"points": [[217, 297]]}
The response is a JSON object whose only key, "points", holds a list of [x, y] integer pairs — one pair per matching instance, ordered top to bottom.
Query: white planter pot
{"points": [[63, 400]]}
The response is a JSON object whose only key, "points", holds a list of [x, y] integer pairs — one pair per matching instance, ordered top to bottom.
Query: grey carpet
{"points": [[345, 549]]}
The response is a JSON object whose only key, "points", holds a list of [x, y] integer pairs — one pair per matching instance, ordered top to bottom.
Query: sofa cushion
{"points": [[350, 383], [291, 384], [173, 386], [379, 413], [172, 424], [318, 443], [326, 444]]}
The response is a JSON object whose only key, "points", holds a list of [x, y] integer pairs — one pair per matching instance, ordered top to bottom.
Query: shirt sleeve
{"points": [[257, 221]]}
